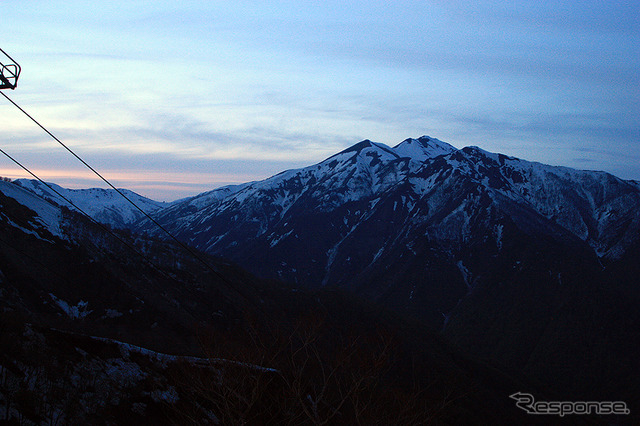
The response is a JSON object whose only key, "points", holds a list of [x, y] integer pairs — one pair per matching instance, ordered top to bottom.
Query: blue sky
{"points": [[174, 98]]}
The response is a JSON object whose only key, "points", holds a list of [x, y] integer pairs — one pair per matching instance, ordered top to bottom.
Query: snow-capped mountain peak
{"points": [[423, 148], [368, 152], [370, 197]]}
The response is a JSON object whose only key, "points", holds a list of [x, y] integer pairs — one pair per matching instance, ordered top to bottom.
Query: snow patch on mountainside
{"points": [[209, 197], [48, 216], [466, 274], [78, 311]]}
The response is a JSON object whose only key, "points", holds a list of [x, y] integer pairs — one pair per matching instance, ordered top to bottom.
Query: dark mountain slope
{"points": [[522, 264], [64, 280], [87, 280]]}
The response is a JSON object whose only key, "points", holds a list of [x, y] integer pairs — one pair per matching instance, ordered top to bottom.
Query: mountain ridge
{"points": [[368, 169], [103, 205], [592, 205], [523, 265]]}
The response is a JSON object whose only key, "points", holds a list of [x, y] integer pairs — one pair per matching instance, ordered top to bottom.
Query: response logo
{"points": [[526, 402]]}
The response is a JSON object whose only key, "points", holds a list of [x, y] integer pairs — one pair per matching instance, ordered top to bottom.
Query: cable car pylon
{"points": [[9, 71]]}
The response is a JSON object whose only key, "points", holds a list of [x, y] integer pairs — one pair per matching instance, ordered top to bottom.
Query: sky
{"points": [[171, 99]]}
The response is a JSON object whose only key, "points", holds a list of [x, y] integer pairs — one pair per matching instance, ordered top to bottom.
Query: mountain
{"points": [[104, 205], [386, 221], [518, 263], [522, 278], [100, 326]]}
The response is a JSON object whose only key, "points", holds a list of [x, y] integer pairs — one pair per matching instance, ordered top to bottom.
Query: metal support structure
{"points": [[9, 71]]}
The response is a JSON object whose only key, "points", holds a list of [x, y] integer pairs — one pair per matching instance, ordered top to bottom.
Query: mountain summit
{"points": [[422, 148], [400, 223]]}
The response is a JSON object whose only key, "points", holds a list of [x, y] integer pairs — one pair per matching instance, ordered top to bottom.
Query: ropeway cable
{"points": [[101, 225], [162, 228]]}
